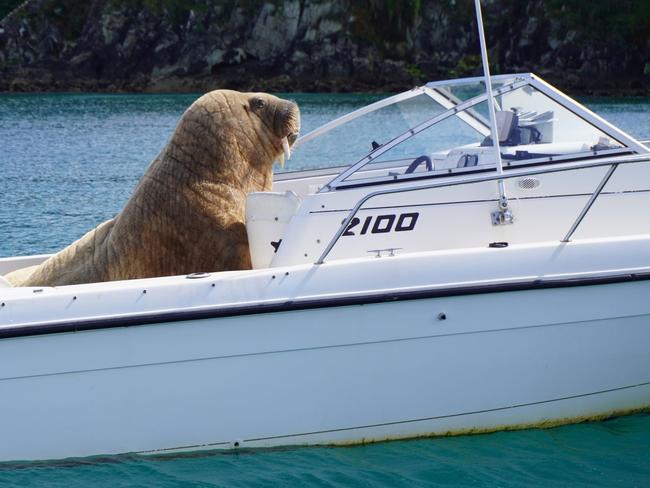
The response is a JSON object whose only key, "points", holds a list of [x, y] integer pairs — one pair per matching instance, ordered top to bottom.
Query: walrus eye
{"points": [[257, 103]]}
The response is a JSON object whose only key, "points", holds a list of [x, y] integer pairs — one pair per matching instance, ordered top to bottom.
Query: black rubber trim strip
{"points": [[235, 311]]}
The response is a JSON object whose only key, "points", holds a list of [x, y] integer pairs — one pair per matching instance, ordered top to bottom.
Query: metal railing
{"points": [[508, 174], [591, 201]]}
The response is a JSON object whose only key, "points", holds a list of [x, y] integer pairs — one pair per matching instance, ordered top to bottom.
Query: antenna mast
{"points": [[503, 216]]}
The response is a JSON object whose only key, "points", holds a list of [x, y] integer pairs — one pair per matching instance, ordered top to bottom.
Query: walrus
{"points": [[187, 213]]}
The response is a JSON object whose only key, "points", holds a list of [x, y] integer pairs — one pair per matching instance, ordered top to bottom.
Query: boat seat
{"points": [[507, 122], [267, 216], [4, 283]]}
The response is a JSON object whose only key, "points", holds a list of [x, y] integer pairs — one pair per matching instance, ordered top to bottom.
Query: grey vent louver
{"points": [[528, 183]]}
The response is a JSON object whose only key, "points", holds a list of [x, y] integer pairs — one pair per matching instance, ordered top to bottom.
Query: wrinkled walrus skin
{"points": [[187, 212]]}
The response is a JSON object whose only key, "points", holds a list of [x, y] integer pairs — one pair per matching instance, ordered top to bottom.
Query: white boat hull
{"points": [[340, 374]]}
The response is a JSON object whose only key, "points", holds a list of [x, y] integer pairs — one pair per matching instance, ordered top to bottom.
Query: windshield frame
{"points": [[436, 91], [458, 110]]}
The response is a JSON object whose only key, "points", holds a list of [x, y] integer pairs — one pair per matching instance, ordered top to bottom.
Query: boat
{"points": [[486, 267], [395, 297]]}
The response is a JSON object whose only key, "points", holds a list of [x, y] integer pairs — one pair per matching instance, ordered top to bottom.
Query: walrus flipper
{"points": [[75, 264], [19, 276]]}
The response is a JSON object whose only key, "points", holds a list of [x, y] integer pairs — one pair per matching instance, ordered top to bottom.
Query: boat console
{"points": [[442, 167]]}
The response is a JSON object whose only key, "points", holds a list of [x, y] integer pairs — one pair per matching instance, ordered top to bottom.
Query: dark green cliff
{"points": [[593, 46]]}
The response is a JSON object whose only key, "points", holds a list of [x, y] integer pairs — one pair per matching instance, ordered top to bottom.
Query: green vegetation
{"points": [[6, 6], [176, 10], [68, 15], [599, 19], [384, 23], [389, 25], [468, 65], [416, 72]]}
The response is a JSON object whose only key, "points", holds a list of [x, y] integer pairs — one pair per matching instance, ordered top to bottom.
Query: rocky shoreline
{"points": [[303, 46]]}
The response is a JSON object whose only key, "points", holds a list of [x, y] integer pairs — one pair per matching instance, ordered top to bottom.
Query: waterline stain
{"points": [[609, 453]]}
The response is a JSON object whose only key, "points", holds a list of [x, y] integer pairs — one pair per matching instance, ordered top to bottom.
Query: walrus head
{"points": [[281, 116], [225, 126]]}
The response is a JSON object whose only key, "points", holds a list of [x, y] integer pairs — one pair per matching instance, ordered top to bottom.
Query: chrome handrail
{"points": [[509, 173], [591, 201]]}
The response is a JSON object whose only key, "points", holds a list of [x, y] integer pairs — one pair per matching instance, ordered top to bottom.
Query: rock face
{"points": [[305, 45]]}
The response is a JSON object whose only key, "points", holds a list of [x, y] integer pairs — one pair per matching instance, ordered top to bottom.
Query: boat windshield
{"points": [[531, 126], [444, 128], [348, 139]]}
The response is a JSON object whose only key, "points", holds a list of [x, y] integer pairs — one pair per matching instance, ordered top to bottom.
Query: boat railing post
{"points": [[591, 201], [503, 215], [344, 225]]}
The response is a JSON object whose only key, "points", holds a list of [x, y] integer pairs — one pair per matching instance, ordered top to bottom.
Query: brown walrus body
{"points": [[187, 212]]}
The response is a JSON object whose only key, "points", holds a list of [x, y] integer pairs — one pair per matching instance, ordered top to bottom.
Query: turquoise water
{"points": [[68, 162], [607, 454]]}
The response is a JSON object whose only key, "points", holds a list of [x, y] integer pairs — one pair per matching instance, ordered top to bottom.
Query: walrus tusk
{"points": [[287, 149]]}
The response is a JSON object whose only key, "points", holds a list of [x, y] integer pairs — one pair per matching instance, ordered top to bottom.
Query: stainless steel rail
{"points": [[509, 173], [591, 201]]}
